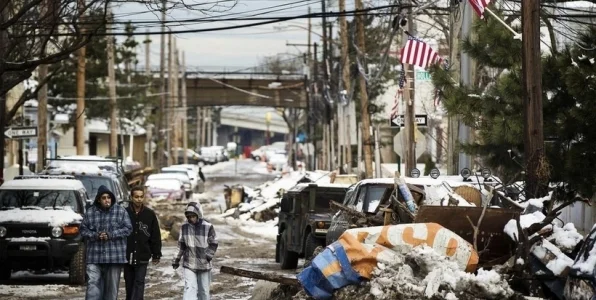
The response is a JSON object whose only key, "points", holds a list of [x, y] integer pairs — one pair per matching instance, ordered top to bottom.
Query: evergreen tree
{"points": [[131, 88], [493, 106]]}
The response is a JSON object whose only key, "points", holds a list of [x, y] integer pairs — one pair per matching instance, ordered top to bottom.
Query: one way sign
{"points": [[399, 121], [21, 132]]}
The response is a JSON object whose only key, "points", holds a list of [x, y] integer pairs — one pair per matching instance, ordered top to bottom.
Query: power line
{"points": [[277, 20]]}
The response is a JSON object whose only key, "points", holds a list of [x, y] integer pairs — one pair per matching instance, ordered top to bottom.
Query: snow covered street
{"points": [[238, 246]]}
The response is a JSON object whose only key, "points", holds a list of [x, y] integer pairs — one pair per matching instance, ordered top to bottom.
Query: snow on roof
{"points": [[102, 126], [42, 184], [301, 186], [46, 216]]}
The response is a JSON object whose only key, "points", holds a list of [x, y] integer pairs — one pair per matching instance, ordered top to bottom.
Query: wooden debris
{"points": [[370, 220], [267, 276]]}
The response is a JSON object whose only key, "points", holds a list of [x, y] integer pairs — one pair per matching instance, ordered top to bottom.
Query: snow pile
{"points": [[439, 195], [51, 217], [566, 237], [556, 240], [424, 274]]}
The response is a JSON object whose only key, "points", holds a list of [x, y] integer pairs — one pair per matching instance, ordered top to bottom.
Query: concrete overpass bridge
{"points": [[245, 98]]}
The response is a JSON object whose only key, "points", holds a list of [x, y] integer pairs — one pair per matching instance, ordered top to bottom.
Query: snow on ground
{"points": [[218, 167], [265, 229]]}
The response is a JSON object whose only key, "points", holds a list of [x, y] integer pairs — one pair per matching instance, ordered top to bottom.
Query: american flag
{"points": [[478, 6], [418, 53], [402, 82]]}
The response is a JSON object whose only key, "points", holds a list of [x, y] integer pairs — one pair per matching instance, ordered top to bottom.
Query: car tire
{"points": [[311, 243], [287, 259], [76, 270], [5, 273]]}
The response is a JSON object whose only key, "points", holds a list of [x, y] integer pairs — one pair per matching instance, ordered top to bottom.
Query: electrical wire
{"points": [[277, 20]]}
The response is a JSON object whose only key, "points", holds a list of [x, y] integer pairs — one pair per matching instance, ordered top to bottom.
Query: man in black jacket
{"points": [[143, 244]]}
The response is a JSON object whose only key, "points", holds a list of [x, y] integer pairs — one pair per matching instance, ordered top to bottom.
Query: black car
{"points": [[304, 219], [39, 226]]}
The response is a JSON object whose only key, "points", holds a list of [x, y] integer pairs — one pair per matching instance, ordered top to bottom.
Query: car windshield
{"points": [[92, 184], [373, 197], [38, 198], [322, 200]]}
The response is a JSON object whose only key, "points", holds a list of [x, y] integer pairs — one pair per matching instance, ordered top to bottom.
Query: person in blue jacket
{"points": [[105, 229]]}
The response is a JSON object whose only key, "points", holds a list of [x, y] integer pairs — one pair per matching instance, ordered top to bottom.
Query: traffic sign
{"points": [[423, 76], [399, 121], [21, 132], [398, 145]]}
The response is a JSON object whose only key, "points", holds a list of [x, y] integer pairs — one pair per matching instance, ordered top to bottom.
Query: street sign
{"points": [[423, 76], [399, 121], [21, 132], [398, 145]]}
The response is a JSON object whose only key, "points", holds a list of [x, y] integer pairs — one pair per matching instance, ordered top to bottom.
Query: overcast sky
{"points": [[232, 49]]}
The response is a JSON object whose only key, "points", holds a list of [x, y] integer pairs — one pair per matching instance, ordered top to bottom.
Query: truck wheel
{"points": [[310, 245], [288, 259], [76, 270], [4, 273]]}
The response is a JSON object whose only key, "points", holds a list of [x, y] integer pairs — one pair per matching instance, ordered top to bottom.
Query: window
{"points": [[92, 184], [374, 194], [39, 198]]}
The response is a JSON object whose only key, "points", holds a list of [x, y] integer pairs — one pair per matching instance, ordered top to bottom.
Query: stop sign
{"points": [[398, 143]]}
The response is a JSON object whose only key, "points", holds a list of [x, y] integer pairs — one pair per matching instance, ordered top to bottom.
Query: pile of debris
{"points": [[261, 203]]}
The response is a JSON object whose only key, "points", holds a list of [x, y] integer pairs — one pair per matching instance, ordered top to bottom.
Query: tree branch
{"points": [[28, 95]]}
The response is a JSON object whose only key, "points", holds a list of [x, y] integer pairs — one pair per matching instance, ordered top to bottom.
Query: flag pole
{"points": [[515, 34]]}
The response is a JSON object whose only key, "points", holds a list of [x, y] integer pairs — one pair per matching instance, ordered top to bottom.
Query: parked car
{"points": [[258, 153], [192, 157], [195, 171], [193, 176], [182, 177], [171, 189], [304, 219], [39, 226]]}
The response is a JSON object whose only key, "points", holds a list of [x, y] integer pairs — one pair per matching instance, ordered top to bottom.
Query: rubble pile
{"points": [[261, 203]]}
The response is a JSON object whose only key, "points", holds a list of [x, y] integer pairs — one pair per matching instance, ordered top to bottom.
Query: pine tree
{"points": [[133, 94], [493, 106]]}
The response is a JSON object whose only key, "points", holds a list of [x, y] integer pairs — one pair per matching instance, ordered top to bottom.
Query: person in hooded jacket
{"points": [[105, 228], [144, 244], [197, 244]]}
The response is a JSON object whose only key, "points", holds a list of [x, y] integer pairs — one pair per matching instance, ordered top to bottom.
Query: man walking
{"points": [[104, 229], [143, 244], [197, 245]]}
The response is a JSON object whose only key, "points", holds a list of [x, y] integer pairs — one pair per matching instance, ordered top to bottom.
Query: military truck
{"points": [[304, 219]]}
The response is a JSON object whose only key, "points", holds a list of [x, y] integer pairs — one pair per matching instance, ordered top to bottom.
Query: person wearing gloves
{"points": [[105, 228], [197, 244]]}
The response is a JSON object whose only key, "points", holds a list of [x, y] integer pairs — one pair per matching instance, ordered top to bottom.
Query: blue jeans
{"points": [[103, 281], [196, 284]]}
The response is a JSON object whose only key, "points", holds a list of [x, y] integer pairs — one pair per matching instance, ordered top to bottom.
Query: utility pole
{"points": [[455, 24], [3, 41], [309, 42], [345, 72], [148, 73], [112, 89], [162, 89], [175, 104], [42, 105], [184, 107], [170, 110], [80, 111], [365, 116], [42, 119], [311, 124], [464, 132], [409, 144], [536, 165]]}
